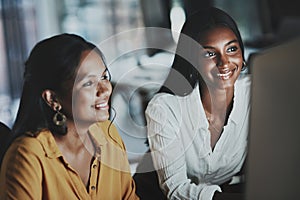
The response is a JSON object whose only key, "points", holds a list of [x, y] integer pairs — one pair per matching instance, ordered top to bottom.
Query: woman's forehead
{"points": [[216, 33], [91, 64]]}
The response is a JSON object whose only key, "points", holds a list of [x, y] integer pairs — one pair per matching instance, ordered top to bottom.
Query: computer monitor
{"points": [[273, 168]]}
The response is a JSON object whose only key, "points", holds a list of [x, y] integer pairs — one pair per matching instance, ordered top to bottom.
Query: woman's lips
{"points": [[225, 75], [102, 106]]}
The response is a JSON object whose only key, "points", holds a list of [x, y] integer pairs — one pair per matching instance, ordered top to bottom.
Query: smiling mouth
{"points": [[225, 76], [101, 106]]}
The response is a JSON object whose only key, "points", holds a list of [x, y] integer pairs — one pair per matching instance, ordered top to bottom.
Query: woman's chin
{"points": [[102, 118]]}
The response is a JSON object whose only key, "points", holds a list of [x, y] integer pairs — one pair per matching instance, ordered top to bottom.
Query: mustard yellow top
{"points": [[34, 168]]}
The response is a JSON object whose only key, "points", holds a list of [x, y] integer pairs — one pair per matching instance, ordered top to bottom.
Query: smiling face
{"points": [[221, 57], [91, 90]]}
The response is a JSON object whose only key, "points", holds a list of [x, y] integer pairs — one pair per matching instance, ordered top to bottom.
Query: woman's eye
{"points": [[232, 49], [209, 54], [106, 76], [89, 83]]}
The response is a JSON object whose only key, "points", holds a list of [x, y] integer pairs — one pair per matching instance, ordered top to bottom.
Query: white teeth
{"points": [[224, 76], [101, 105]]}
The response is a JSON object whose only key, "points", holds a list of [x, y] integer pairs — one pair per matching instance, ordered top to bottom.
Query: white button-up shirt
{"points": [[179, 140]]}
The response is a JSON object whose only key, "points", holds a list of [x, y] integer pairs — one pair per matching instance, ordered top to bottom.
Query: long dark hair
{"points": [[52, 63], [184, 75]]}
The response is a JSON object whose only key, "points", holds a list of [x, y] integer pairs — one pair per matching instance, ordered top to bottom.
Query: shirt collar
{"points": [[239, 100], [197, 111], [97, 133], [98, 138], [51, 149]]}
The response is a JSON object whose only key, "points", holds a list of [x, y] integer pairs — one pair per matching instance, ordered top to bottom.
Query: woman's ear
{"points": [[50, 98]]}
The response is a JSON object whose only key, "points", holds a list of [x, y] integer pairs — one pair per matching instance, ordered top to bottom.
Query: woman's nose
{"points": [[223, 61], [104, 88]]}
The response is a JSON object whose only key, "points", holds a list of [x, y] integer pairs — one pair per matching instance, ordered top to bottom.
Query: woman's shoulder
{"points": [[244, 80], [162, 98], [163, 101], [164, 107], [29, 143]]}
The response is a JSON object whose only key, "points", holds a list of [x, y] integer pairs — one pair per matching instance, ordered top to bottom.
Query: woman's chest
{"points": [[203, 162]]}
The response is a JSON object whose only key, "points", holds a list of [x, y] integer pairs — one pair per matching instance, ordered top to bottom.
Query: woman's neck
{"points": [[217, 102], [75, 140], [78, 150]]}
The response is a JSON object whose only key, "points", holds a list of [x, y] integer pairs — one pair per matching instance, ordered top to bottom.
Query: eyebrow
{"points": [[228, 43]]}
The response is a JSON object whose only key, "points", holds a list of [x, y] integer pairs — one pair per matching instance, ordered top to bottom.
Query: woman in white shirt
{"points": [[198, 121]]}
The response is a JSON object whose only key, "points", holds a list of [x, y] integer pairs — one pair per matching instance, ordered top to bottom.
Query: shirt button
{"points": [[94, 166], [93, 187]]}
